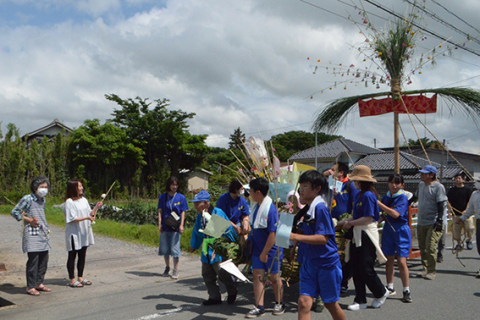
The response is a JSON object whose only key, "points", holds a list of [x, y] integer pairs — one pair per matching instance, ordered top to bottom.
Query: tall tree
{"points": [[162, 135], [236, 139], [105, 154]]}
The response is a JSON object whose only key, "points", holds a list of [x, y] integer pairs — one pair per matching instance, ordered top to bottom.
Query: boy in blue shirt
{"points": [[235, 206], [266, 256], [210, 261], [321, 271]]}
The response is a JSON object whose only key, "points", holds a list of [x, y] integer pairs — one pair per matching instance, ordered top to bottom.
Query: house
{"points": [[49, 131], [339, 150], [469, 161], [382, 162], [197, 179]]}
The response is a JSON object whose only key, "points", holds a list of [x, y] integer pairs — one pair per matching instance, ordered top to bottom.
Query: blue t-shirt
{"points": [[343, 201], [177, 203], [399, 204], [366, 205], [234, 209], [260, 236], [196, 241], [302, 248], [322, 255]]}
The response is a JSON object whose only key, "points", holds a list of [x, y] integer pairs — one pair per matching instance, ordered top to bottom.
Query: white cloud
{"points": [[235, 64]]}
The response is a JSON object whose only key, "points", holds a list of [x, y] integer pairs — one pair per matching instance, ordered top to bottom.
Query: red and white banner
{"points": [[414, 104]]}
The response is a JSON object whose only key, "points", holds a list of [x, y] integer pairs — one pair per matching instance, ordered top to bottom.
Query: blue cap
{"points": [[428, 169], [201, 196]]}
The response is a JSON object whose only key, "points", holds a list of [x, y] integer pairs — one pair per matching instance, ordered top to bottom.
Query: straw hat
{"points": [[361, 173]]}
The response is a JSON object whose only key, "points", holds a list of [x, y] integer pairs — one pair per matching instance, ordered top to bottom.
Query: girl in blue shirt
{"points": [[172, 204], [396, 235], [365, 246]]}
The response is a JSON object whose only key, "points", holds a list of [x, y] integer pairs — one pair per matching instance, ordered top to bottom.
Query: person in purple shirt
{"points": [[235, 207], [396, 235]]}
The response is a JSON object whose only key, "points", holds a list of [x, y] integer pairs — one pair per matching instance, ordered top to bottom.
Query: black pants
{"points": [[82, 253], [362, 263], [36, 268], [210, 272], [346, 273]]}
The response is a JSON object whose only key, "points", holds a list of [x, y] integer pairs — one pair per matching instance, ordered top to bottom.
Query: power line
{"points": [[379, 6], [323, 9], [453, 14], [435, 17], [478, 75], [291, 126], [274, 129], [463, 135]]}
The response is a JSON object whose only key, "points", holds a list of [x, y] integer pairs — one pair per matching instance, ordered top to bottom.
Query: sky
{"points": [[250, 64]]}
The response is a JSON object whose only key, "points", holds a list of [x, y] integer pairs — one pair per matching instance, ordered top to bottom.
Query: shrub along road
{"points": [[127, 284]]}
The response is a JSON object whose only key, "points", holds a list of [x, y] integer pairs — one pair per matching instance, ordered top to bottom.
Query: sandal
{"points": [[86, 282], [76, 284], [44, 289], [33, 292]]}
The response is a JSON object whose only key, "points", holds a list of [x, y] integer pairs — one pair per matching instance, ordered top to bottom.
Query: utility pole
{"points": [[441, 163], [316, 164]]}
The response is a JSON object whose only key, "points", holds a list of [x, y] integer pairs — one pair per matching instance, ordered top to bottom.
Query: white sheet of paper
{"points": [[331, 182], [338, 186], [216, 226], [284, 229], [231, 268]]}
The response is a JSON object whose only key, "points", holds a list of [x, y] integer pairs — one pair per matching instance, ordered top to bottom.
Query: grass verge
{"points": [[139, 234]]}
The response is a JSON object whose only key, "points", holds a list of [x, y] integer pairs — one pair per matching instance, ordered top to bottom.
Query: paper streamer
{"points": [[284, 229], [231, 268]]}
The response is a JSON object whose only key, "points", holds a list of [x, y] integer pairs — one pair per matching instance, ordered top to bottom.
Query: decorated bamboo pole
{"points": [[396, 143], [102, 199]]}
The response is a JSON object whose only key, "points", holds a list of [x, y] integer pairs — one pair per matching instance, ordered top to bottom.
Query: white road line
{"points": [[164, 313]]}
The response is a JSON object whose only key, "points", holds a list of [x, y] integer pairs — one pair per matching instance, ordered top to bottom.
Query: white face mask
{"points": [[477, 185], [42, 192], [242, 192]]}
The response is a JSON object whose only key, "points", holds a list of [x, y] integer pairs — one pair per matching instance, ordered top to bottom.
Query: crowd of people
{"points": [[317, 205]]}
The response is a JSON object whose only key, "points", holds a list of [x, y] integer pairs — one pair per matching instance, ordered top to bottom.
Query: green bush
{"points": [[133, 212]]}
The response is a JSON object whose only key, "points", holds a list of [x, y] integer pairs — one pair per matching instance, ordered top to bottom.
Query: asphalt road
{"points": [[127, 284]]}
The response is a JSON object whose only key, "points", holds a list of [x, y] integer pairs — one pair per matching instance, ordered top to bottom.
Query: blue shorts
{"points": [[398, 241], [169, 244], [257, 264], [315, 281]]}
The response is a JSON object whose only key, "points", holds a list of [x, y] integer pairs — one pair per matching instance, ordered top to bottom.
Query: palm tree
{"points": [[394, 48]]}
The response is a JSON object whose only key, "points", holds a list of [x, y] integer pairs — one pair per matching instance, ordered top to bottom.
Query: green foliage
{"points": [[395, 45], [162, 136], [237, 139], [288, 143], [106, 153], [20, 164], [134, 212], [229, 250]]}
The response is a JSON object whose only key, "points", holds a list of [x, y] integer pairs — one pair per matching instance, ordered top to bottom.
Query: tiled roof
{"points": [[54, 123], [334, 148], [386, 161], [408, 163], [449, 172]]}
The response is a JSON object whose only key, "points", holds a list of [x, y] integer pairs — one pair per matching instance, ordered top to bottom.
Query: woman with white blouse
{"points": [[78, 231]]}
